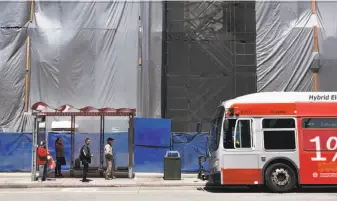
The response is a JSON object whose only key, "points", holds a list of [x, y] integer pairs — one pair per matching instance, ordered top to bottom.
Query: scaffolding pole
{"points": [[313, 10], [27, 76]]}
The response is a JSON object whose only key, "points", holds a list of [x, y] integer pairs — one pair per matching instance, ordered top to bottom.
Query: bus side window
{"points": [[242, 135]]}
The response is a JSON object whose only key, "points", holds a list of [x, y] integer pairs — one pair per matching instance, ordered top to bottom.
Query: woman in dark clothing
{"points": [[60, 160]]}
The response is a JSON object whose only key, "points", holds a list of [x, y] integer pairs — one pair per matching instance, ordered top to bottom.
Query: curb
{"points": [[41, 185]]}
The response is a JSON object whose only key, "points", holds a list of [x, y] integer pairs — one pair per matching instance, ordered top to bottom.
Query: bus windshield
{"points": [[216, 129]]}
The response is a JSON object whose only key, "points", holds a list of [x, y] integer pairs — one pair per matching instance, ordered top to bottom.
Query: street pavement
{"points": [[155, 194]]}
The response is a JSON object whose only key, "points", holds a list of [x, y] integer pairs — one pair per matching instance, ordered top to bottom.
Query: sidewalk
{"points": [[22, 180]]}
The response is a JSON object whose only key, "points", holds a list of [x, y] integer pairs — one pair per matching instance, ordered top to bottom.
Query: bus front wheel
{"points": [[280, 178]]}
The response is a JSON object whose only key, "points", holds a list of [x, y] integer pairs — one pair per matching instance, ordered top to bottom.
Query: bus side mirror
{"points": [[225, 125], [199, 127], [208, 154]]}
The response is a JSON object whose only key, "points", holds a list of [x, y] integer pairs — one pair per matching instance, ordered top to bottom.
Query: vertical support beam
{"points": [[313, 6], [313, 10], [140, 32], [315, 38], [316, 51], [164, 56], [28, 60], [139, 67], [27, 74], [315, 82], [131, 135], [72, 144], [34, 147], [101, 147]]}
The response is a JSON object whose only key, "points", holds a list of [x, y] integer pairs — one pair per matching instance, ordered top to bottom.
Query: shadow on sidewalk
{"points": [[261, 189]]}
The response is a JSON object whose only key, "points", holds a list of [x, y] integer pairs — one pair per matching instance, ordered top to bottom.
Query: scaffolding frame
{"points": [[223, 33], [39, 116]]}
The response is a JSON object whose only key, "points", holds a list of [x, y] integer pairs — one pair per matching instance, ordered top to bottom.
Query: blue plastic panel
{"points": [[153, 132], [190, 147], [16, 149], [15, 152], [149, 159]]}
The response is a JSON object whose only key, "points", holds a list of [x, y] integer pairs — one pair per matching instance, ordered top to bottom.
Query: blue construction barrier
{"points": [[152, 140], [190, 146], [16, 149], [15, 152]]}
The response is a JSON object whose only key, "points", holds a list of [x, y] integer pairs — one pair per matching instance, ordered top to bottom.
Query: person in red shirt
{"points": [[42, 160]]}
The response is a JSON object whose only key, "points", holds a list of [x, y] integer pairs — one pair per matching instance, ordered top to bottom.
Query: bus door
{"points": [[318, 157], [240, 160]]}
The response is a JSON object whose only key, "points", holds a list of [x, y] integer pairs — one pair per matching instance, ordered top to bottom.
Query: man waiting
{"points": [[85, 157], [109, 157]]}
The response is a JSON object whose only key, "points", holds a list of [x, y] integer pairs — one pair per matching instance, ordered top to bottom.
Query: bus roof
{"points": [[283, 97], [285, 103]]}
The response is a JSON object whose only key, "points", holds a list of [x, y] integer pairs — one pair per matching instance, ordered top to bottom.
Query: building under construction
{"points": [[173, 60]]}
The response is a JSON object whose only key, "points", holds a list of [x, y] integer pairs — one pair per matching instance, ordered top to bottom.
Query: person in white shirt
{"points": [[109, 157]]}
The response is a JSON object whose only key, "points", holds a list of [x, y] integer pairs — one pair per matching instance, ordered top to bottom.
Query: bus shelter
{"points": [[40, 115]]}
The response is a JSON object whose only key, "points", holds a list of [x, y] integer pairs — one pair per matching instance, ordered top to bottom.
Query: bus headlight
{"points": [[216, 163]]}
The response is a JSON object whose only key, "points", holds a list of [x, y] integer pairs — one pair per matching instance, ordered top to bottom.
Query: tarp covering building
{"points": [[173, 59]]}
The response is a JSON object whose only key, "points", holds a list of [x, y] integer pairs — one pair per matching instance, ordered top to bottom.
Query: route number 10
{"points": [[331, 145]]}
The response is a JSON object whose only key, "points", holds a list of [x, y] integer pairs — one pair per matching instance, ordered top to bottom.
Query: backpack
{"points": [[81, 156]]}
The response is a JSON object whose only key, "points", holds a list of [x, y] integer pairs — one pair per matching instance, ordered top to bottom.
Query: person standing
{"points": [[85, 157], [109, 157], [42, 160], [60, 160]]}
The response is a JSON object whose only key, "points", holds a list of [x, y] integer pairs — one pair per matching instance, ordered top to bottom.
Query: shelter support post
{"points": [[45, 131], [131, 135], [72, 144], [34, 146], [101, 156]]}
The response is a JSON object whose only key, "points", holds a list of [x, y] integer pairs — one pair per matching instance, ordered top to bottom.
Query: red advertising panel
{"points": [[318, 157]]}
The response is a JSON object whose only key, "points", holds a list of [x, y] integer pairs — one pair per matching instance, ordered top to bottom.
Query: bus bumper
{"points": [[214, 177]]}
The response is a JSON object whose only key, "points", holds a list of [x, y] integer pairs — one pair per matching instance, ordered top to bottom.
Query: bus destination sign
{"points": [[328, 97]]}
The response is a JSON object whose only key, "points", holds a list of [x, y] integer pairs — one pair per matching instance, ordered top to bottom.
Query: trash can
{"points": [[172, 166]]}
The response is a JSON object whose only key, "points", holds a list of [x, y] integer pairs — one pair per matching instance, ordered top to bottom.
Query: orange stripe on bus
{"points": [[285, 109], [241, 176]]}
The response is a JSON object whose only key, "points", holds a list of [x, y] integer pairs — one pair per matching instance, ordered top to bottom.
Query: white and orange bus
{"points": [[278, 139]]}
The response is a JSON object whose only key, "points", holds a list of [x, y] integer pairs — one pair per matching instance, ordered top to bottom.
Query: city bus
{"points": [[278, 139]]}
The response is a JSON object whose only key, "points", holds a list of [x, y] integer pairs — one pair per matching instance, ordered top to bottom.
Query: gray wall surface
{"points": [[327, 41], [285, 45], [82, 54]]}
